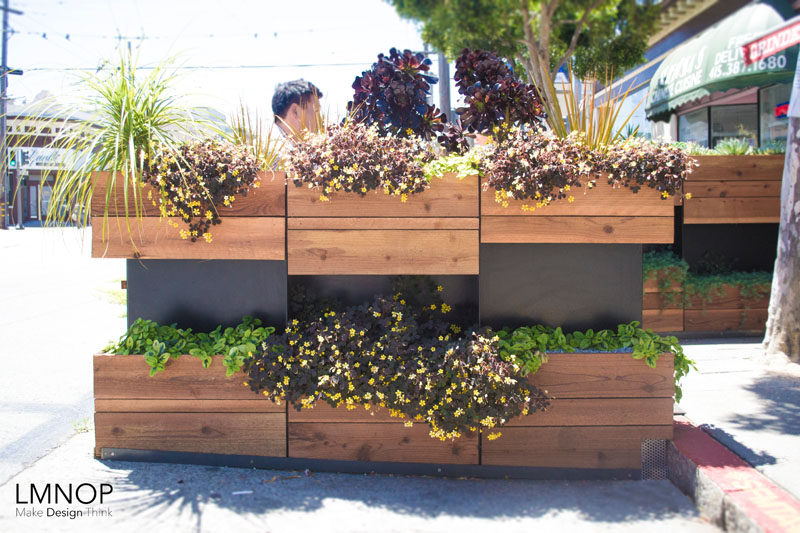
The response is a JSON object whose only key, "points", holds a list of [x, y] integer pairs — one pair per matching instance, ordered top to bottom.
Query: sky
{"points": [[337, 39]]}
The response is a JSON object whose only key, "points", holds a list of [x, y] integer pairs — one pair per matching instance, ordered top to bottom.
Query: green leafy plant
{"points": [[773, 147], [692, 148], [462, 165], [668, 270], [707, 287], [158, 344], [532, 345]]}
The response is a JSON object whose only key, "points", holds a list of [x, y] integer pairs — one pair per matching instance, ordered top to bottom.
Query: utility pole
{"points": [[4, 72], [444, 87]]}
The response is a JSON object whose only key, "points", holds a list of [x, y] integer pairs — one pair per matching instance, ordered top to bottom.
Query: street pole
{"points": [[4, 72], [444, 87], [3, 91]]}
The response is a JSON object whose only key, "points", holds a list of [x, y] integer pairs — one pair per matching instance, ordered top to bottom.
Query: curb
{"points": [[728, 491]]}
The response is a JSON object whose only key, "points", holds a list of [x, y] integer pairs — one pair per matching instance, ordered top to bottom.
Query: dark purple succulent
{"points": [[393, 95], [495, 98]]}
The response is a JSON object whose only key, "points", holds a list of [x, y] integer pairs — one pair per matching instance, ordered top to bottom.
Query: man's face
{"points": [[303, 118]]}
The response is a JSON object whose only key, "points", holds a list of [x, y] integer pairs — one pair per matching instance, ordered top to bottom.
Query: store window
{"points": [[774, 104], [734, 122], [693, 127]]}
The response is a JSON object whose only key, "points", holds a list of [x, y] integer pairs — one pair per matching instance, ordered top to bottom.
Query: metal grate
{"points": [[654, 459]]}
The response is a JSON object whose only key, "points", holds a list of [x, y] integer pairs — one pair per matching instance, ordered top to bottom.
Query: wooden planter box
{"points": [[736, 189], [602, 214], [254, 228], [434, 232], [662, 310], [729, 312], [604, 406], [186, 408]]}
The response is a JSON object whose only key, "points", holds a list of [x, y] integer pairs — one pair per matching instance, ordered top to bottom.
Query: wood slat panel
{"points": [[738, 167], [732, 189], [447, 197], [267, 200], [602, 200], [731, 211], [375, 223], [576, 229], [236, 238], [383, 252], [651, 285], [731, 299], [662, 300], [662, 320], [725, 320], [604, 375], [125, 377], [186, 406], [322, 412], [599, 412], [261, 434], [378, 442], [571, 447]]}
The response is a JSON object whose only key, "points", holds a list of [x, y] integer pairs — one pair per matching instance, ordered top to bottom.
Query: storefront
{"points": [[703, 93]]}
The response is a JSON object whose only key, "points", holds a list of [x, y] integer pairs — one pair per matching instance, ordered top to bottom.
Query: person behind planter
{"points": [[296, 108]]}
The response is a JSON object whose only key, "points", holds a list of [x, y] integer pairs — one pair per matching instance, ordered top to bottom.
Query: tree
{"points": [[596, 37], [783, 325]]}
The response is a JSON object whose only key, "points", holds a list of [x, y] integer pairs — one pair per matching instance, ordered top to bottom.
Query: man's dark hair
{"points": [[292, 92]]}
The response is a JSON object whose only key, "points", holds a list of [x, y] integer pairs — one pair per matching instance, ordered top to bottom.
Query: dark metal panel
{"points": [[740, 246], [575, 286], [459, 291], [203, 294], [324, 465]]}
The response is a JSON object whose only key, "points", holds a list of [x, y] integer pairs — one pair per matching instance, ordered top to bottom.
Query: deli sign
{"points": [[778, 39]]}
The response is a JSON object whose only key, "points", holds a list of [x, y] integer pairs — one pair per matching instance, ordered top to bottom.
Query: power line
{"points": [[210, 67]]}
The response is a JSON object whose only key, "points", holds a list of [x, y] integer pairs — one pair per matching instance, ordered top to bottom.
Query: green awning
{"points": [[713, 61]]}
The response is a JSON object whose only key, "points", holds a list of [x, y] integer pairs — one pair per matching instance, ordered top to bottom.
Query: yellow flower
{"points": [[664, 194], [688, 196], [404, 197], [571, 199], [209, 215], [207, 236], [439, 288], [495, 435]]}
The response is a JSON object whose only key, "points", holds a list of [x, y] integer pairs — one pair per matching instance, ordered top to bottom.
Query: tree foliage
{"points": [[601, 36]]}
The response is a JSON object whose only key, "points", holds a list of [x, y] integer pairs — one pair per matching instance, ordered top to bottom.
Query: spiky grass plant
{"points": [[120, 114]]}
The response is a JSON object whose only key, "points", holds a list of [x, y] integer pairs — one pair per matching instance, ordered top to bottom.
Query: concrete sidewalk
{"points": [[750, 406], [179, 498]]}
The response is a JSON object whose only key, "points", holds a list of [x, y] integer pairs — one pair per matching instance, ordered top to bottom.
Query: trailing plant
{"points": [[392, 95], [495, 99], [118, 117], [773, 147], [353, 157], [638, 163], [538, 167], [541, 167], [202, 178], [667, 269], [707, 287], [159, 343], [532, 345], [401, 353]]}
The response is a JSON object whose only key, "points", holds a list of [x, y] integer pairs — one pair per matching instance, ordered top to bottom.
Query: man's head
{"points": [[295, 105]]}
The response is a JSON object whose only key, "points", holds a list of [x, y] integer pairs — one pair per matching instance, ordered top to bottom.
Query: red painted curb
{"points": [[768, 505]]}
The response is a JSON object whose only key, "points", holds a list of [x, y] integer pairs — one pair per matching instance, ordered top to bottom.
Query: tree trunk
{"points": [[783, 325]]}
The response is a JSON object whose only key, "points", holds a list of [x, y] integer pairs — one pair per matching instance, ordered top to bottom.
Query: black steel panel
{"points": [[741, 246], [576, 286], [203, 294]]}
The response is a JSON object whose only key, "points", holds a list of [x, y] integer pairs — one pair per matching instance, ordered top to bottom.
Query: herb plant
{"points": [[202, 177]]}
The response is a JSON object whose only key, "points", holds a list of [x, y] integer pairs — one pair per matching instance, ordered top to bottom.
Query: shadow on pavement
{"points": [[780, 395], [730, 442], [146, 488]]}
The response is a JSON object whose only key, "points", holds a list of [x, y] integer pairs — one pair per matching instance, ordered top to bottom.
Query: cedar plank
{"points": [[576, 229]]}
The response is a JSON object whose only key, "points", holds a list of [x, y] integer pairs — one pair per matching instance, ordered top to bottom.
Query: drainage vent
{"points": [[654, 459]]}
